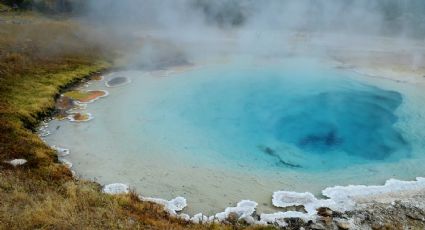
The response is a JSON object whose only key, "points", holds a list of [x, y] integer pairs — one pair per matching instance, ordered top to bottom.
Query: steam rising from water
{"points": [[362, 16], [200, 28]]}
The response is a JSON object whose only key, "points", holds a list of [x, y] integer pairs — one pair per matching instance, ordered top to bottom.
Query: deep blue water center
{"points": [[288, 116], [357, 121]]}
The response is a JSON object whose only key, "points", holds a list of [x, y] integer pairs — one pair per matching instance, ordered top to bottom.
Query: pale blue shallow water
{"points": [[220, 133]]}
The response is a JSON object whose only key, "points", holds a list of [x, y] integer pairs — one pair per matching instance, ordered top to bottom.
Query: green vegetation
{"points": [[38, 57]]}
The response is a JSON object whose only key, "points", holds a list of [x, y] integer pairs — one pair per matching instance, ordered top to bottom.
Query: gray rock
{"points": [[342, 224], [317, 226]]}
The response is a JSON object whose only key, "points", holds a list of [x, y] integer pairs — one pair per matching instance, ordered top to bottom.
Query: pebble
{"points": [[16, 162], [323, 211], [343, 224]]}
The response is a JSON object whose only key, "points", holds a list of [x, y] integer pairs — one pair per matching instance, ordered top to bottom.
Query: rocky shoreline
{"points": [[396, 205]]}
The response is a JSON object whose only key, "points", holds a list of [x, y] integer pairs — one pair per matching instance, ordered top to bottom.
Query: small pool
{"points": [[221, 133]]}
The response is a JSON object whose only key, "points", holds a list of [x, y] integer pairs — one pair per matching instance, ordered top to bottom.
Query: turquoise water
{"points": [[283, 117], [221, 133]]}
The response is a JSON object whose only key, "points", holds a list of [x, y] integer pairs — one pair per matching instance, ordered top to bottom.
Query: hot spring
{"points": [[219, 133]]}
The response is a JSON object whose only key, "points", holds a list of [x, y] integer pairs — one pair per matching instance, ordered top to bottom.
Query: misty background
{"points": [[389, 17], [173, 30]]}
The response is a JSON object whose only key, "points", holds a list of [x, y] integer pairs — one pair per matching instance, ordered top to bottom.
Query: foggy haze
{"points": [[387, 16], [202, 27]]}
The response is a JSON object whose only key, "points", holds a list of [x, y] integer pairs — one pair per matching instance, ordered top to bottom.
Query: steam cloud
{"points": [[385, 16], [201, 27]]}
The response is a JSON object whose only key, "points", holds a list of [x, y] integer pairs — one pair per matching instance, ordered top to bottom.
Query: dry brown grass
{"points": [[38, 56]]}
